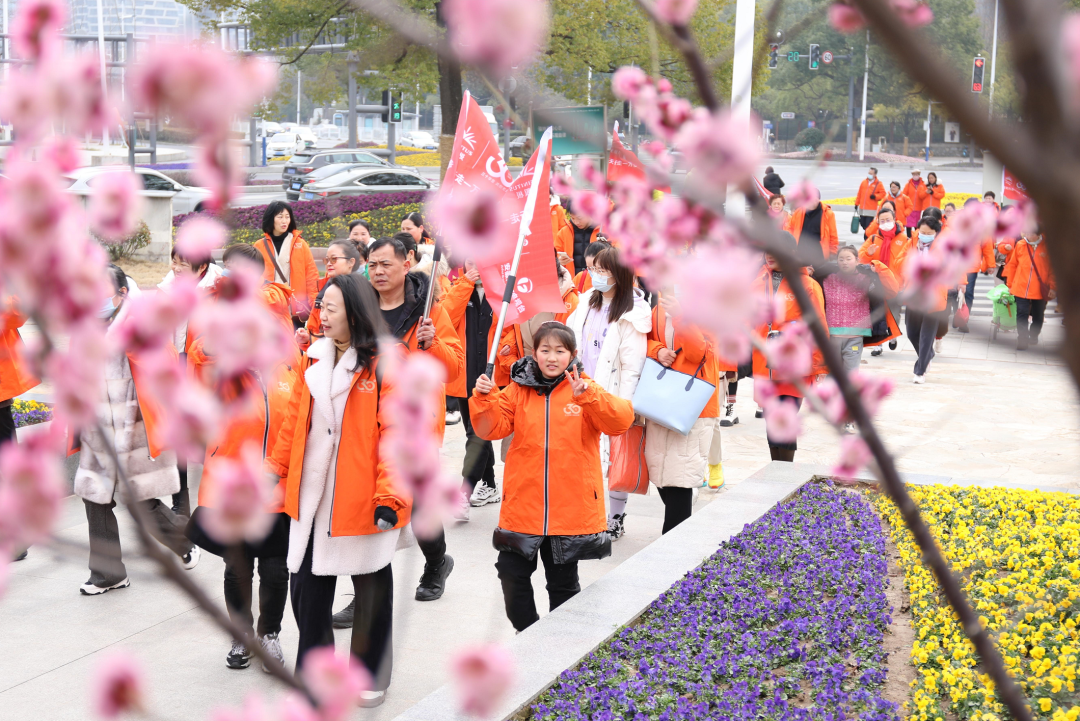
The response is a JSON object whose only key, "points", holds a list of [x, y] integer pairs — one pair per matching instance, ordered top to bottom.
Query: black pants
{"points": [[865, 220], [1036, 309], [922, 331], [7, 424], [784, 446], [479, 462], [181, 500], [678, 504], [434, 549], [106, 562], [515, 574], [273, 589], [373, 624]]}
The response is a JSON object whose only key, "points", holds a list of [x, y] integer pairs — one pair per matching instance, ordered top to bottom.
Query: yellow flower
{"points": [[1045, 704]]}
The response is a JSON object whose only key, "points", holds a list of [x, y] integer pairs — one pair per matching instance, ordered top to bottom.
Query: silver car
{"points": [[301, 164], [365, 180], [186, 199]]}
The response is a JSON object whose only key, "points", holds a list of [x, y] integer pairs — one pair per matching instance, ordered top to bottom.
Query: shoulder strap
{"points": [[273, 259], [1035, 267]]}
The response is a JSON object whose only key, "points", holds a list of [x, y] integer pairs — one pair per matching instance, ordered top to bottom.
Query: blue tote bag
{"points": [[674, 400]]}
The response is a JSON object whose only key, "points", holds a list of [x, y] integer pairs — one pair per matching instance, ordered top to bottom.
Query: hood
{"points": [[416, 287], [526, 372]]}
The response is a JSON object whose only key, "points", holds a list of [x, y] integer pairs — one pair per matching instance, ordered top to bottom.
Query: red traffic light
{"points": [[979, 62], [976, 87]]}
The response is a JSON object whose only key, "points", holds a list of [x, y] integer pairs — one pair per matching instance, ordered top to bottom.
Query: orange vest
{"points": [[303, 275], [363, 477], [552, 483]]}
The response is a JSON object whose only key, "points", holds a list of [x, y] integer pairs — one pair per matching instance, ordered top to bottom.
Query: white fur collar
{"points": [[328, 382]]}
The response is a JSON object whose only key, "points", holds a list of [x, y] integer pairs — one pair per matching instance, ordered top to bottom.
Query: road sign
{"points": [[815, 56], [827, 57], [977, 70], [787, 116], [575, 131]]}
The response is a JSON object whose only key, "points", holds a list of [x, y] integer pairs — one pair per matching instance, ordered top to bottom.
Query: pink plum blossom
{"points": [[676, 12], [912, 13], [845, 18], [35, 29], [496, 34], [1070, 41], [628, 82], [719, 147], [64, 153], [803, 196], [115, 204], [591, 205], [1015, 220], [470, 222], [974, 223], [199, 236], [928, 273], [151, 319], [791, 353], [76, 374], [873, 390], [765, 391], [831, 401], [194, 414], [782, 421], [854, 455], [31, 487], [239, 498], [482, 676], [335, 681], [118, 686], [295, 707]]}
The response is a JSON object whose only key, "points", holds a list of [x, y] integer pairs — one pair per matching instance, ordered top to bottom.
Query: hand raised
{"points": [[577, 383]]}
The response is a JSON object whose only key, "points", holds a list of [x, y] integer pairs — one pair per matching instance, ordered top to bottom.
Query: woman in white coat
{"points": [[611, 323], [130, 420], [348, 516]]}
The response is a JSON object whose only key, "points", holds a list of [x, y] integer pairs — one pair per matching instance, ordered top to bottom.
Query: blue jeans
{"points": [[969, 292]]}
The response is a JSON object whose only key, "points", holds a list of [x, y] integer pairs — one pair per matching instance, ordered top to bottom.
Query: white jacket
{"points": [[625, 346], [337, 555]]}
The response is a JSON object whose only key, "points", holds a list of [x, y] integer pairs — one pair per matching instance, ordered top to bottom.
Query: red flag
{"points": [[476, 161], [623, 163], [1013, 189], [537, 287]]}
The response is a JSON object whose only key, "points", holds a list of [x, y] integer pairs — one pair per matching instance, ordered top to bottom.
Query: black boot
{"points": [[781, 454], [433, 581], [344, 617]]}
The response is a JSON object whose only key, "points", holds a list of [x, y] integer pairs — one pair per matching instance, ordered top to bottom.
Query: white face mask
{"points": [[870, 177], [887, 226]]}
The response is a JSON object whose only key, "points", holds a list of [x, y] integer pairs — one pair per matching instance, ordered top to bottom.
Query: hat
{"points": [[916, 170]]}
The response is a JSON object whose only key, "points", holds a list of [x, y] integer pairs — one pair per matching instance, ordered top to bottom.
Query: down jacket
{"points": [[625, 345], [553, 485]]}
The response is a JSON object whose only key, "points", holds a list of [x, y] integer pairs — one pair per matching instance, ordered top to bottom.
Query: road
{"points": [[841, 180]]}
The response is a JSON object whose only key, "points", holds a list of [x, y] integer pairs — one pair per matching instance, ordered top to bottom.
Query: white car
{"points": [[308, 136], [419, 139], [288, 143], [186, 199]]}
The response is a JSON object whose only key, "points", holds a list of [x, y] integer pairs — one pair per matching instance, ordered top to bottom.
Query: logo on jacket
{"points": [[367, 386], [283, 387], [572, 409]]}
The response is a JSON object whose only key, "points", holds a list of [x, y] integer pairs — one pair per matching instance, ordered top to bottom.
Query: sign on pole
{"points": [[827, 57], [787, 116], [575, 131]]}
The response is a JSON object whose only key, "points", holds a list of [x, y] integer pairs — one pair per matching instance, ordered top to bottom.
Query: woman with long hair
{"points": [[413, 224], [287, 258], [342, 258], [611, 323], [348, 518]]}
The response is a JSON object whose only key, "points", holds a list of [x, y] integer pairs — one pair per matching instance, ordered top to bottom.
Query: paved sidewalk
{"points": [[985, 412]]}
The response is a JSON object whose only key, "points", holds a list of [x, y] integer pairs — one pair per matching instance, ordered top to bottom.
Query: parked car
{"points": [[308, 136], [419, 139], [285, 143], [521, 145], [300, 165], [318, 175], [365, 180], [186, 199]]}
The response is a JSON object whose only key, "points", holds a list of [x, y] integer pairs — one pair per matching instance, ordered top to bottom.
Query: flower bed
{"points": [[957, 199], [384, 221], [246, 222], [28, 413], [1017, 554], [786, 620]]}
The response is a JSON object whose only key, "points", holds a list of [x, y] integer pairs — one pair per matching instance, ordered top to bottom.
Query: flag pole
{"points": [[526, 223]]}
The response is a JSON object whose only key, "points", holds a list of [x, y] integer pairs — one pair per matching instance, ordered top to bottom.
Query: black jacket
{"points": [[772, 183], [582, 238], [478, 317], [879, 331], [564, 549]]}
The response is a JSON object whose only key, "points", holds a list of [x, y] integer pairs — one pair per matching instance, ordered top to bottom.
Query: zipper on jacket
{"points": [[266, 405], [547, 430]]}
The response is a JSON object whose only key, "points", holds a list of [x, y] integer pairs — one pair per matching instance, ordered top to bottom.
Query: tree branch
{"points": [[318, 32], [680, 38]]}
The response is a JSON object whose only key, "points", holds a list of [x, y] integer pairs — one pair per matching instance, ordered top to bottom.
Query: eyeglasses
{"points": [[335, 258], [600, 271]]}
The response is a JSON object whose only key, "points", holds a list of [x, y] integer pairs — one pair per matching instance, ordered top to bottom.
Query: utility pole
{"points": [[993, 63], [104, 69], [742, 75], [865, 82], [299, 84], [588, 88], [352, 101], [929, 105], [850, 114]]}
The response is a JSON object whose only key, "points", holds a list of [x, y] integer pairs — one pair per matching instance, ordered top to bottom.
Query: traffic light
{"points": [[774, 55], [815, 56], [977, 70], [386, 105], [395, 107]]}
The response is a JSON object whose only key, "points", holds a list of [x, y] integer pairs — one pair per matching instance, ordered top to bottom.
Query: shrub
{"points": [[812, 138], [384, 221], [127, 247]]}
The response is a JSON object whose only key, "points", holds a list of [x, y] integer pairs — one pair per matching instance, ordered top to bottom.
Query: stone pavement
{"points": [[985, 412]]}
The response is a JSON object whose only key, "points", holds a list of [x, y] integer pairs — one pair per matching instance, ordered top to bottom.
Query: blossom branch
{"points": [[679, 36]]}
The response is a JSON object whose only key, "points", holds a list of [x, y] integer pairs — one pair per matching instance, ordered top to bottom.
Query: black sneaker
{"points": [[892, 345], [878, 350], [759, 413], [617, 526], [433, 581], [344, 617], [239, 657]]}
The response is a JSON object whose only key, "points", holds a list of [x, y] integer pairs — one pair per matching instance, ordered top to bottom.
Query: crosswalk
{"points": [[984, 307]]}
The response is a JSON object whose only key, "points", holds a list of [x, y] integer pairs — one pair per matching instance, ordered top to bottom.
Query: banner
{"points": [[476, 160], [623, 163], [1012, 188], [537, 287]]}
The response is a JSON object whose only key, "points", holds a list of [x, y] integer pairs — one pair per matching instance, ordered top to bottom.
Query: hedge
{"points": [[384, 221]]}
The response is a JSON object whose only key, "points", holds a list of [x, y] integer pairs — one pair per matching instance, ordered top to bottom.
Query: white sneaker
{"points": [[937, 345], [918, 380], [452, 418], [484, 494], [461, 509], [191, 559], [89, 589], [272, 645], [371, 699]]}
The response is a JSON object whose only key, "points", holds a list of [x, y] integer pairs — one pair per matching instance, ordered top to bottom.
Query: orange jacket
{"points": [[912, 192], [870, 194], [927, 198], [903, 204], [563, 235], [830, 239], [890, 254], [986, 260], [1028, 271], [303, 275], [582, 282], [942, 299], [455, 302], [791, 314], [314, 321], [513, 340], [694, 351], [15, 376], [152, 411], [257, 416], [363, 477], [552, 482]]}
